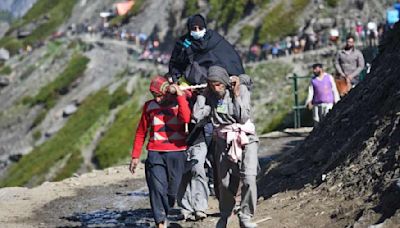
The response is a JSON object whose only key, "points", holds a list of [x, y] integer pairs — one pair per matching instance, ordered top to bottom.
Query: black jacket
{"points": [[213, 49]]}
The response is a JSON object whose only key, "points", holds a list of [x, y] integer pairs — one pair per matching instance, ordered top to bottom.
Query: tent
{"points": [[123, 7]]}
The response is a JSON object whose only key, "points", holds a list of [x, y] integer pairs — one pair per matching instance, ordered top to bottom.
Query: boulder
{"points": [[4, 81], [69, 110]]}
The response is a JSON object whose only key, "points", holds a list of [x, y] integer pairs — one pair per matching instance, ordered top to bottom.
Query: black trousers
{"points": [[163, 175]]}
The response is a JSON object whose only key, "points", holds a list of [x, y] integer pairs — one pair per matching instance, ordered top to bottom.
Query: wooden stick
{"points": [[193, 87]]}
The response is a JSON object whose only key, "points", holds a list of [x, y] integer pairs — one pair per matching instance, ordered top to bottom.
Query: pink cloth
{"points": [[236, 136]]}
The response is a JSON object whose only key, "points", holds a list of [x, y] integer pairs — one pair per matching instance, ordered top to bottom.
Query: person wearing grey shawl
{"points": [[227, 103]]}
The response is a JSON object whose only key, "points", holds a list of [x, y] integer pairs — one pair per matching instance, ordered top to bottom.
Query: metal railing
{"points": [[297, 107]]}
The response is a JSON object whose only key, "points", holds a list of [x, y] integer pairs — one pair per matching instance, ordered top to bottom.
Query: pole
{"points": [[296, 101]]}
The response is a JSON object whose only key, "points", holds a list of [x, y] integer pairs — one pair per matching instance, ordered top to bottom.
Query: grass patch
{"points": [[332, 3], [191, 8], [229, 12], [226, 13], [49, 14], [123, 19], [280, 21], [246, 34], [13, 45], [5, 70], [273, 93], [49, 94], [119, 96], [117, 141], [73, 163], [32, 167]]}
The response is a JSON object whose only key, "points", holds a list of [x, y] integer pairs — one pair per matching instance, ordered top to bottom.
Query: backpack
{"points": [[195, 74]]}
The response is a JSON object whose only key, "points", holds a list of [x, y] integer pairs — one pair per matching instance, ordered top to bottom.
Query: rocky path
{"points": [[113, 197]]}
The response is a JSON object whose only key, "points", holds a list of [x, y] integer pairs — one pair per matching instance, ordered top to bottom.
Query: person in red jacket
{"points": [[164, 118]]}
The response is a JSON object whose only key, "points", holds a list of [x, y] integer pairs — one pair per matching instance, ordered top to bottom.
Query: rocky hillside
{"points": [[66, 96], [350, 162]]}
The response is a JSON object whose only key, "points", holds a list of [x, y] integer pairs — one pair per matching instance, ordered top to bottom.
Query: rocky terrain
{"points": [[350, 163], [344, 174], [114, 198]]}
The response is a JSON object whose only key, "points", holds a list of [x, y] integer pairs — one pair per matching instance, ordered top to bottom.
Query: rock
{"points": [[4, 54], [4, 81], [69, 110], [15, 157]]}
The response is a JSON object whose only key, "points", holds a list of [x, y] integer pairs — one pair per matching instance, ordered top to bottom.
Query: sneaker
{"points": [[184, 215], [199, 215], [245, 222]]}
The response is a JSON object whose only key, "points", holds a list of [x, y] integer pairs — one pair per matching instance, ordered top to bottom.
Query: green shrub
{"points": [[332, 3], [191, 8], [57, 12], [226, 13], [280, 21], [246, 34], [13, 45], [5, 70], [269, 79], [49, 94], [119, 96], [27, 100], [117, 141], [73, 163], [33, 167]]}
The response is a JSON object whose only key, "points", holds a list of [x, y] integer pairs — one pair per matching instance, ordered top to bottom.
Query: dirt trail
{"points": [[113, 197]]}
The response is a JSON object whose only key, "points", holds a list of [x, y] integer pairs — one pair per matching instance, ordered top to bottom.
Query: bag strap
{"points": [[188, 49]]}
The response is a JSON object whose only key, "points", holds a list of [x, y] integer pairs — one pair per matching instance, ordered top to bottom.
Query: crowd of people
{"points": [[366, 34], [149, 44], [200, 126], [189, 127]]}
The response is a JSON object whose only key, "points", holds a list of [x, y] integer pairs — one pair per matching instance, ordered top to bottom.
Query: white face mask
{"points": [[198, 35]]}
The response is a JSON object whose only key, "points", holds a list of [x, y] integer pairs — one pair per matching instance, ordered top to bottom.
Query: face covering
{"points": [[198, 35]]}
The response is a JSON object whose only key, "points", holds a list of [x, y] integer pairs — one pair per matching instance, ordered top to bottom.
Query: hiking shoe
{"points": [[184, 215], [199, 215], [222, 223]]}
